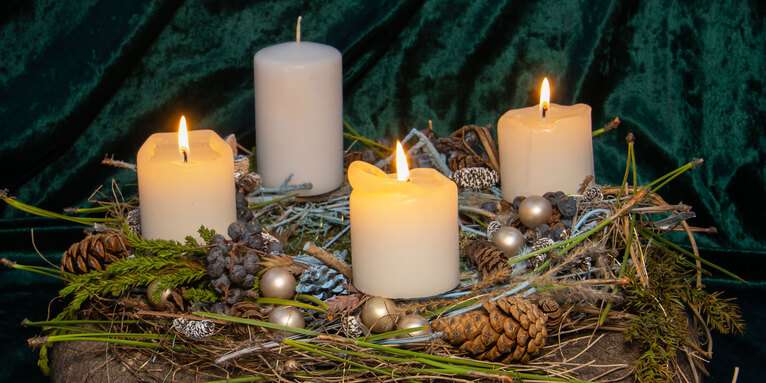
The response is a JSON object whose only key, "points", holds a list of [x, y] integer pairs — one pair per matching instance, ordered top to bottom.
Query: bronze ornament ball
{"points": [[534, 211], [508, 239], [277, 283], [164, 297], [379, 314], [287, 316], [413, 321]]}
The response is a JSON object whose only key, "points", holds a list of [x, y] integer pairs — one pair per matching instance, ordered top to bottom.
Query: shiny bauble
{"points": [[534, 210], [508, 239], [277, 283], [163, 299], [379, 314], [287, 316], [413, 321]]}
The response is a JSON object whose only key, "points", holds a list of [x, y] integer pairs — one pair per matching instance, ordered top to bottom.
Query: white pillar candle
{"points": [[299, 115], [541, 154], [177, 196], [404, 234]]}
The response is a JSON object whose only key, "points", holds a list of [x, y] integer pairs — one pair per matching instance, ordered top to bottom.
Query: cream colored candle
{"points": [[299, 115], [541, 154], [180, 192], [404, 234]]}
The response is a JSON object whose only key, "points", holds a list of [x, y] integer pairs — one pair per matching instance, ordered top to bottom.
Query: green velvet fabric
{"points": [[79, 80]]}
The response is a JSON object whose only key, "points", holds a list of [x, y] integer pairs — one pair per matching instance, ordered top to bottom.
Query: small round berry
{"points": [[254, 227], [235, 230], [217, 239], [238, 274], [249, 281], [220, 284]]}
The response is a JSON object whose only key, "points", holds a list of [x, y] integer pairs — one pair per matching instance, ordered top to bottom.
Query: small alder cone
{"points": [[463, 160], [95, 252], [487, 257], [552, 309], [509, 330]]}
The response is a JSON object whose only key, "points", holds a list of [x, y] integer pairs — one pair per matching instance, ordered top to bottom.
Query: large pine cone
{"points": [[95, 252], [487, 257], [509, 329]]}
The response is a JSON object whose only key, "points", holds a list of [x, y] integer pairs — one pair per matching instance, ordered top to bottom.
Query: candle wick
{"points": [[298, 31], [545, 109], [186, 156]]}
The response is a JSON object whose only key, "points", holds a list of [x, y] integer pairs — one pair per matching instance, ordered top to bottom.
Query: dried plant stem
{"points": [[607, 127], [117, 163], [49, 214]]}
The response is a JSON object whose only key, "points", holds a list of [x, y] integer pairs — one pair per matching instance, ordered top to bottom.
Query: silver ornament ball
{"points": [[534, 211], [508, 239], [277, 283], [163, 299], [379, 314], [287, 316], [413, 321]]}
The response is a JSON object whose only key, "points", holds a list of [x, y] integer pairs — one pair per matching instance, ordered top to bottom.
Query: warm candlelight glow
{"points": [[545, 96], [183, 139], [402, 170]]}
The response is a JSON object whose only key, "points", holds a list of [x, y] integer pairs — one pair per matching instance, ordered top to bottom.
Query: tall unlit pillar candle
{"points": [[299, 115]]}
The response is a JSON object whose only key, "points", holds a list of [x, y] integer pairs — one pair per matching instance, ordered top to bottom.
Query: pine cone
{"points": [[446, 145], [462, 160], [475, 178], [95, 252], [487, 257], [538, 259], [322, 282], [553, 311], [509, 329]]}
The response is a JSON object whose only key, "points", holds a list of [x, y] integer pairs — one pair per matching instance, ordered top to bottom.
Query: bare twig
{"points": [[117, 163], [328, 259]]}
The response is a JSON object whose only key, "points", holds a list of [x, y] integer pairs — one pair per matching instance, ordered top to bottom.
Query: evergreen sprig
{"points": [[160, 247], [200, 294], [662, 323]]}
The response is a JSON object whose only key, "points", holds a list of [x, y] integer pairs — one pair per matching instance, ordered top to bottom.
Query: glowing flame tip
{"points": [[545, 96], [183, 139], [402, 170]]}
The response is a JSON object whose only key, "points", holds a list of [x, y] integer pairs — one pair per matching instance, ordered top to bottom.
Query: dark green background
{"points": [[79, 80]]}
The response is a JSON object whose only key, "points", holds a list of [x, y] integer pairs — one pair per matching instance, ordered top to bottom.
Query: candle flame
{"points": [[545, 96], [183, 139], [402, 170]]}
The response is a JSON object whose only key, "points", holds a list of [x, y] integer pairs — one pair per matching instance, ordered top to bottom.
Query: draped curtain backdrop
{"points": [[80, 80]]}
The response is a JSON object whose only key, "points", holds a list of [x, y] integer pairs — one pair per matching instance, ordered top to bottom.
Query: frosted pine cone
{"points": [[475, 178]]}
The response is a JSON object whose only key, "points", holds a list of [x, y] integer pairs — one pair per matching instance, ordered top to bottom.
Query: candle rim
{"points": [[297, 54], [367, 178]]}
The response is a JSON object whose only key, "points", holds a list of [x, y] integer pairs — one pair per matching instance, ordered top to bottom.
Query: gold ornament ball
{"points": [[534, 211], [508, 239], [277, 283], [163, 301], [379, 314], [287, 316], [413, 321]]}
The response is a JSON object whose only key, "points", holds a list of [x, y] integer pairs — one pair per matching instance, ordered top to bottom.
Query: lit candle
{"points": [[299, 115], [544, 148], [184, 182], [404, 230]]}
